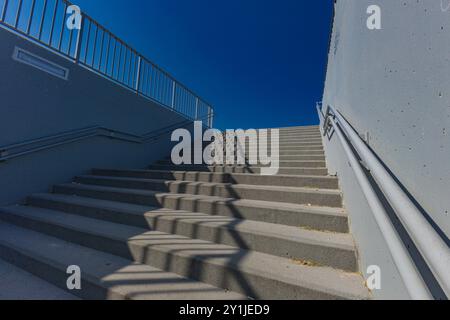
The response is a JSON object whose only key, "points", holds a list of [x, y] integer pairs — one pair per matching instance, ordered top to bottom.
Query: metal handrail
{"points": [[98, 50], [17, 150], [432, 247]]}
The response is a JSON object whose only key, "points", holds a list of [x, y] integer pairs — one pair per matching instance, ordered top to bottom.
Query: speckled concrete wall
{"points": [[394, 85]]}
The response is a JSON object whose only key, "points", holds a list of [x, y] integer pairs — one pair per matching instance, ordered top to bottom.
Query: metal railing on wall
{"points": [[97, 49], [430, 244]]}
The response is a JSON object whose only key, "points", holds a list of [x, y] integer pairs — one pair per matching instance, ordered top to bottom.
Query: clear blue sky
{"points": [[259, 62]]}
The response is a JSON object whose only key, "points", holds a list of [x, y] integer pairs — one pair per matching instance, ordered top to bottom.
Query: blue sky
{"points": [[260, 63]]}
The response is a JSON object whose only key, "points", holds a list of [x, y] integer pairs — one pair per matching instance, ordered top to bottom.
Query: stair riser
{"points": [[299, 130], [304, 134], [312, 135], [287, 138], [283, 146], [283, 150], [298, 153], [289, 157], [319, 157], [282, 164], [288, 171], [174, 175], [287, 181], [313, 198], [220, 208], [323, 255], [56, 274], [223, 275]]}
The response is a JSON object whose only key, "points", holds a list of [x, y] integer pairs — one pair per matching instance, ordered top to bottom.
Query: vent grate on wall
{"points": [[40, 63]]}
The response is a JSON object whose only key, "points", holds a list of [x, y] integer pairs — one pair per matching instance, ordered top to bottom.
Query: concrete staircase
{"points": [[194, 232]]}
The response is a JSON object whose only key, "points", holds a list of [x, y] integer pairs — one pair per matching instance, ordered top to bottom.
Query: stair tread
{"points": [[212, 173], [213, 184], [266, 204], [338, 240], [123, 277], [348, 285]]}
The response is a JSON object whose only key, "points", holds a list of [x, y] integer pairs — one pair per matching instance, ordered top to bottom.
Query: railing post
{"points": [[138, 74], [173, 93]]}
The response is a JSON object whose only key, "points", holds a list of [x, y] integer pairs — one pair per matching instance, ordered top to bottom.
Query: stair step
{"points": [[299, 128], [297, 135], [289, 142], [283, 146], [282, 149], [298, 153], [280, 157], [291, 157], [283, 158], [282, 164], [240, 169], [321, 182], [318, 197], [319, 218], [328, 249], [250, 273], [104, 276], [18, 284]]}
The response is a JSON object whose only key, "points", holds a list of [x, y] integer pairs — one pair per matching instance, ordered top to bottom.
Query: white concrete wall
{"points": [[394, 85]]}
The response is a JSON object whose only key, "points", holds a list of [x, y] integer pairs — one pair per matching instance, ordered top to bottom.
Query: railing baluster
{"points": [[5, 8], [19, 11], [30, 18], [53, 23], [41, 26], [62, 27], [79, 41], [69, 47], [101, 47], [86, 49], [94, 50], [125, 51], [107, 54], [113, 58], [119, 62], [124, 64], [129, 70], [138, 74], [150, 80], [151, 84], [159, 85], [173, 93], [196, 108]]}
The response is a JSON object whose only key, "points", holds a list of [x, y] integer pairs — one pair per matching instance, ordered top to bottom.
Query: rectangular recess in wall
{"points": [[40, 63]]}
